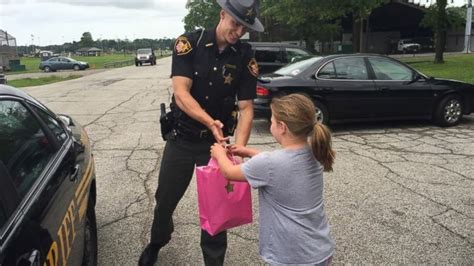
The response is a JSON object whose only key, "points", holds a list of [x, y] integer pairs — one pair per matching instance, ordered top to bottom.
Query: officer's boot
{"points": [[149, 255]]}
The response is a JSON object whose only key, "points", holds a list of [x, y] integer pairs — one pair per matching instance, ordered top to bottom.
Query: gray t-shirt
{"points": [[293, 225]]}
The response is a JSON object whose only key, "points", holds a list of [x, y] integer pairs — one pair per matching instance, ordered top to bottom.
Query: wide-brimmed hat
{"points": [[244, 11]]}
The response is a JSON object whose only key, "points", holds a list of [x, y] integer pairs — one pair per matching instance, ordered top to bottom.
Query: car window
{"points": [[144, 51], [294, 53], [267, 54], [53, 60], [65, 60], [295, 68], [346, 68], [386, 69], [328, 71], [53, 124], [24, 148]]}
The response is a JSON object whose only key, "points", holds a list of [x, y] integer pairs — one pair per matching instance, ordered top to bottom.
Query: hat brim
{"points": [[256, 26]]}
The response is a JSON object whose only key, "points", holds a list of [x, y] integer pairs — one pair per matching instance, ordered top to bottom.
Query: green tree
{"points": [[202, 14], [319, 19], [440, 19], [86, 40]]}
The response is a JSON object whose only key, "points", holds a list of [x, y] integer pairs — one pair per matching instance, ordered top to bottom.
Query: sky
{"points": [[47, 22]]}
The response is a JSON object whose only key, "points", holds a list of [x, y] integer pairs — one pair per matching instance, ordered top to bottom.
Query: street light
{"points": [[467, 39]]}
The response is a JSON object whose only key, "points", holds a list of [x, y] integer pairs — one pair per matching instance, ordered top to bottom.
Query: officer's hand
{"points": [[216, 129]]}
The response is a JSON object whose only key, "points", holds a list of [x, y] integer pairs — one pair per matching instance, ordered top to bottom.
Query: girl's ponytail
{"points": [[321, 145]]}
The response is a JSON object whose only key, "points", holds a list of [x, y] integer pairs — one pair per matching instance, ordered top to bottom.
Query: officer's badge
{"points": [[182, 46], [253, 67], [228, 79]]}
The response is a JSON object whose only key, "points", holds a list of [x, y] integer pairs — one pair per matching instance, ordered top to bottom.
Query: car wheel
{"points": [[136, 63], [77, 67], [47, 69], [449, 111], [322, 114], [90, 237]]}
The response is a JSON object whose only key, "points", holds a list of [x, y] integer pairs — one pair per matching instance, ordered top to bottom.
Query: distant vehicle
{"points": [[408, 46], [45, 55], [145, 55], [271, 56], [62, 63], [3, 80], [367, 87], [47, 186]]}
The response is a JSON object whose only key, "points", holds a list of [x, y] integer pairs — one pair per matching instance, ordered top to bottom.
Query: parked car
{"points": [[408, 46], [145, 55], [271, 56], [62, 63], [367, 87], [47, 186]]}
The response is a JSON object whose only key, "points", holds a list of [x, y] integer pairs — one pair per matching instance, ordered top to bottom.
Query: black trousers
{"points": [[177, 167]]}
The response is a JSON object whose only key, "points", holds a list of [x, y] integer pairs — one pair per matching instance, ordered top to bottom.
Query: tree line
{"points": [[312, 20], [106, 45]]}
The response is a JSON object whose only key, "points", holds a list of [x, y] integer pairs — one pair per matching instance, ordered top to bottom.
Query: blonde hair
{"points": [[298, 112]]}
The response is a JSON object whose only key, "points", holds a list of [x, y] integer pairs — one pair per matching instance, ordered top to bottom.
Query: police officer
{"points": [[210, 70]]}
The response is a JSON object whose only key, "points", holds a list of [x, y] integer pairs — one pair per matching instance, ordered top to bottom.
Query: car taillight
{"points": [[261, 91]]}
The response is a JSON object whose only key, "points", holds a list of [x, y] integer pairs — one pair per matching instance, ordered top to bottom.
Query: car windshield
{"points": [[144, 51], [297, 67]]}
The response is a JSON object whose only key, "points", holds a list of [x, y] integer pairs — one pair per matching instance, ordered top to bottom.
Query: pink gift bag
{"points": [[223, 204]]}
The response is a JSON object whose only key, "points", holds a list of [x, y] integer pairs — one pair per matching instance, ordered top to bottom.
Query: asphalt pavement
{"points": [[400, 193]]}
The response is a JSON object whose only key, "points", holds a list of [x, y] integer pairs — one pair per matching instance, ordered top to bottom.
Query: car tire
{"points": [[77, 67], [47, 69], [449, 111], [322, 114], [90, 237]]}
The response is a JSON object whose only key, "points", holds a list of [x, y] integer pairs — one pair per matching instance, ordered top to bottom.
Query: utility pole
{"points": [[467, 39]]}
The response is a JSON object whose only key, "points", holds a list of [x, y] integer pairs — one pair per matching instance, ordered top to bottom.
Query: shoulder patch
{"points": [[182, 46], [253, 67]]}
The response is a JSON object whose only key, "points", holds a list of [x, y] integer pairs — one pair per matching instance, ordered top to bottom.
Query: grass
{"points": [[32, 63], [459, 67], [27, 82]]}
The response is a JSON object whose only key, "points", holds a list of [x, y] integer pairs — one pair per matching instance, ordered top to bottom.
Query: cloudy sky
{"points": [[45, 22]]}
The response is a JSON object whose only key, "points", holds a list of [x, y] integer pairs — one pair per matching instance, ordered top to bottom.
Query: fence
{"points": [[119, 63]]}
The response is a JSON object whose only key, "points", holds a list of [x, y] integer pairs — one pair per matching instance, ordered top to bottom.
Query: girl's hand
{"points": [[239, 150], [217, 151]]}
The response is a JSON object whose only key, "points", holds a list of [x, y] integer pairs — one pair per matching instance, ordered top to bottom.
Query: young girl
{"points": [[293, 225]]}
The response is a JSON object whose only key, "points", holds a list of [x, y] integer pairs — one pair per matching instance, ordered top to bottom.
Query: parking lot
{"points": [[401, 192]]}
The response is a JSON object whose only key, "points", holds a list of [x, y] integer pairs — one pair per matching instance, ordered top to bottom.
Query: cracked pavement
{"points": [[401, 192]]}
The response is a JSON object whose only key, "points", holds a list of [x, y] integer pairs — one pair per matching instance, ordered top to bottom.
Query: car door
{"points": [[54, 63], [65, 63], [346, 88], [400, 93], [41, 226]]}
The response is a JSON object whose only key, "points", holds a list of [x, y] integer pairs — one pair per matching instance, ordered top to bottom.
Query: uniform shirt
{"points": [[216, 75], [293, 225]]}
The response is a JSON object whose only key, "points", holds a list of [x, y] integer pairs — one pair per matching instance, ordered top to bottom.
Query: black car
{"points": [[271, 56], [62, 63], [367, 87], [47, 186]]}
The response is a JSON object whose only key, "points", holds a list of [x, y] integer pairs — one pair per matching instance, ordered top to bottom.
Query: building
{"points": [[89, 51]]}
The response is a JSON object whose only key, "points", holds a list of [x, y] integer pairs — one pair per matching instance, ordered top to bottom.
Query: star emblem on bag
{"points": [[229, 187]]}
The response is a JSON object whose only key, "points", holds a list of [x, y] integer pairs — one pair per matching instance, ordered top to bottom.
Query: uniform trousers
{"points": [[177, 166]]}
